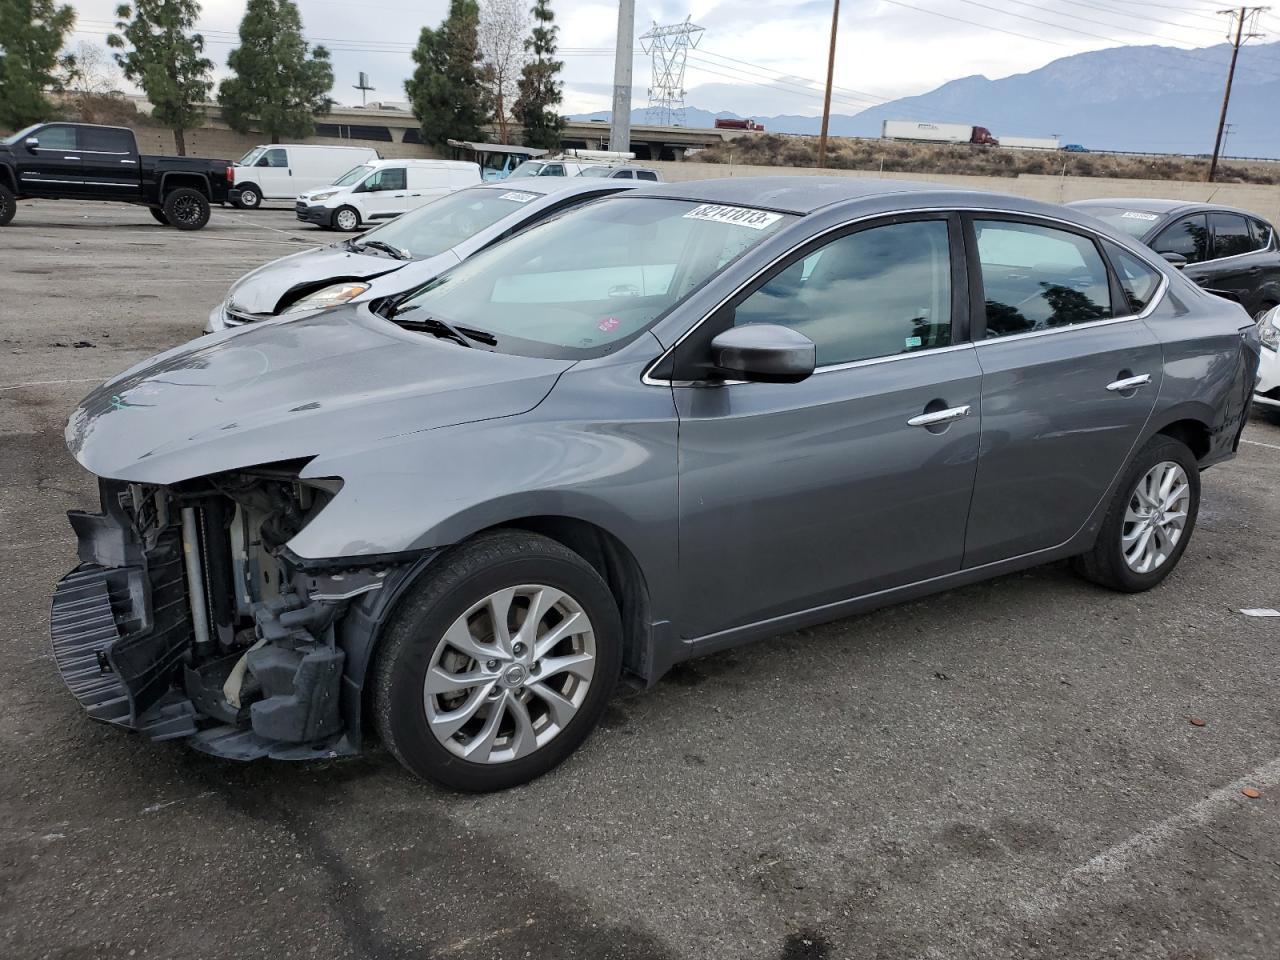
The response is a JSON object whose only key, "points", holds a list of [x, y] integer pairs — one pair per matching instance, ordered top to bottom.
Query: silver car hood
{"points": [[261, 291], [329, 383]]}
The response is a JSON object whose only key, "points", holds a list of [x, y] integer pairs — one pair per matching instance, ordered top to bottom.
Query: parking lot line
{"points": [[48, 383], [1259, 443]]}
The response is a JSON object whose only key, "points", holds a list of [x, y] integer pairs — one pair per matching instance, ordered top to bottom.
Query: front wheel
{"points": [[250, 198], [8, 205], [186, 208], [346, 218], [1150, 520], [498, 664]]}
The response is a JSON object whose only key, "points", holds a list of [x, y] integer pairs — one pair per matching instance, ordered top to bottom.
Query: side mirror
{"points": [[31, 143], [1177, 259], [764, 353]]}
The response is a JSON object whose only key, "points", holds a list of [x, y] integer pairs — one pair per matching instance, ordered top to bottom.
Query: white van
{"points": [[281, 171], [382, 190]]}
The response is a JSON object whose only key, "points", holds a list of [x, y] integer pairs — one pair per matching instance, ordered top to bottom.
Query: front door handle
{"points": [[70, 158], [1129, 383], [939, 416]]}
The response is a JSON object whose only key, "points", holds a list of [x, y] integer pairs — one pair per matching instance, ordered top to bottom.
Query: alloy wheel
{"points": [[186, 210], [1155, 517], [510, 674]]}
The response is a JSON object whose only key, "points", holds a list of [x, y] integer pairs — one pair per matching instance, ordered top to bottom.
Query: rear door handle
{"points": [[70, 158], [129, 161], [1129, 383], [939, 416]]}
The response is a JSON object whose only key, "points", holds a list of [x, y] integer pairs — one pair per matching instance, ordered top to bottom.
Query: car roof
{"points": [[560, 186], [799, 195], [1155, 205]]}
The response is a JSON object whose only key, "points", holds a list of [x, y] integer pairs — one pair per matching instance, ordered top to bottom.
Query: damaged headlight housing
{"points": [[334, 295], [1268, 330]]}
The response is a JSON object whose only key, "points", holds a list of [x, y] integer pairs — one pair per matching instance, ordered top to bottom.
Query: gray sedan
{"points": [[403, 254], [657, 426]]}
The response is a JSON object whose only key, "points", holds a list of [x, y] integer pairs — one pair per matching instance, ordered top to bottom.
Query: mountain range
{"points": [[1149, 99]]}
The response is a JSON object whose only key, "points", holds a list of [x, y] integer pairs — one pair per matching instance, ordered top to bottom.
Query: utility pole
{"points": [[1238, 18], [826, 99], [620, 119]]}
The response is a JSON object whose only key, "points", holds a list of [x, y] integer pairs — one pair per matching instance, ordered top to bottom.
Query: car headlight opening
{"points": [[334, 295]]}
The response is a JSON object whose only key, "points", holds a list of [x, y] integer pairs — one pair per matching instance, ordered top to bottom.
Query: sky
{"points": [[754, 57]]}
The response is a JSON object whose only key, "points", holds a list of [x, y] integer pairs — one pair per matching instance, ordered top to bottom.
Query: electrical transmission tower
{"points": [[1244, 18], [669, 47]]}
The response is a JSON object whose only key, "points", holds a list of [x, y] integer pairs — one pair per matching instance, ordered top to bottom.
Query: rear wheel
{"points": [[250, 198], [8, 205], [186, 208], [159, 215], [346, 218], [1150, 520], [498, 664]]}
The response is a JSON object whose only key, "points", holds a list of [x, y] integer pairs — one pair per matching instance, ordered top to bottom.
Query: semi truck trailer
{"points": [[938, 132]]}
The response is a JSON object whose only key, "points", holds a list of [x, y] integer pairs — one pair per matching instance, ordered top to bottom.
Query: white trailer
{"points": [[936, 132], [1032, 143]]}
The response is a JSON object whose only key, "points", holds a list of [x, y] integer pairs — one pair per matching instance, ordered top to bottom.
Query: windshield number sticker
{"points": [[519, 197], [1136, 215], [739, 216]]}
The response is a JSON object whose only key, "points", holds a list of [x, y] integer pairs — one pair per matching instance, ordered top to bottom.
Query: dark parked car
{"points": [[83, 161], [1218, 247], [656, 426]]}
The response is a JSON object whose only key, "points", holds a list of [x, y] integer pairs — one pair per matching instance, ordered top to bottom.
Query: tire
{"points": [[250, 198], [8, 205], [186, 208], [159, 216], [346, 219], [1106, 563], [486, 753]]}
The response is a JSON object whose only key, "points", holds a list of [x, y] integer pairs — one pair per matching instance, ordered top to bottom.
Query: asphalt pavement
{"points": [[1009, 770]]}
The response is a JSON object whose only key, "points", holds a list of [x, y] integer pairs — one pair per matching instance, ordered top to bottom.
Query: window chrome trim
{"points": [[1152, 304]]}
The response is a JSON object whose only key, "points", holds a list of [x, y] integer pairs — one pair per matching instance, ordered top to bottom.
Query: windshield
{"points": [[19, 136], [250, 158], [530, 168], [596, 171], [354, 175], [446, 222], [1136, 223], [586, 282]]}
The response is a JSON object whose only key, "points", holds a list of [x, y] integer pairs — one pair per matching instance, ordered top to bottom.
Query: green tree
{"points": [[31, 34], [166, 59], [277, 81], [540, 84], [446, 91]]}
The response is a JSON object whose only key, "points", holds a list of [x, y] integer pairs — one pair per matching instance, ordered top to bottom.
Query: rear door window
{"points": [[106, 140], [1261, 233], [1231, 235], [1188, 237], [1039, 278], [1140, 281]]}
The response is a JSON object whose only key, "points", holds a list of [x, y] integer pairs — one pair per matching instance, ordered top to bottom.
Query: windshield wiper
{"points": [[383, 246], [435, 325]]}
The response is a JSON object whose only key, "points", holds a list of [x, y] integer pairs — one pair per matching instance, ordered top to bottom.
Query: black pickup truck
{"points": [[81, 161]]}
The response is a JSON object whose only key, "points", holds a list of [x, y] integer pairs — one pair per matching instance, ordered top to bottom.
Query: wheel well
{"points": [[7, 179], [175, 181], [1191, 432], [615, 564]]}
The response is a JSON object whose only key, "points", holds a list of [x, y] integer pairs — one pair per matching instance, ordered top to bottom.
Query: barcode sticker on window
{"points": [[519, 197], [1139, 215], [739, 216]]}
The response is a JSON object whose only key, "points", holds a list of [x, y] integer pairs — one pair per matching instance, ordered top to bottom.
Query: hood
{"points": [[262, 290], [329, 383]]}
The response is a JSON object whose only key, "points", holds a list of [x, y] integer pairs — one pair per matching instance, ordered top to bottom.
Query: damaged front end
{"points": [[188, 617]]}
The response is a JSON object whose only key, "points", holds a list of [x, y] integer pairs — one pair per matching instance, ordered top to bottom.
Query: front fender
{"points": [[600, 449]]}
